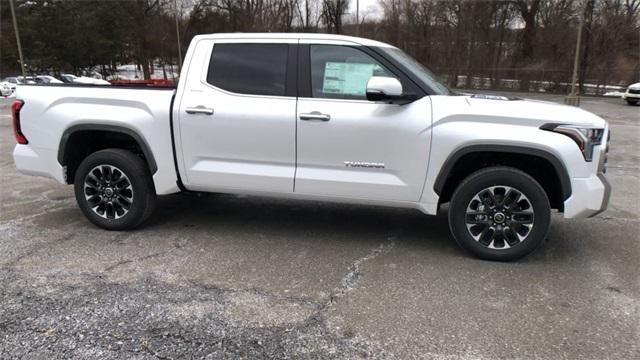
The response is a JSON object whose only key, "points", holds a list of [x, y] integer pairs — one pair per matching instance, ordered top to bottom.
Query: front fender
{"points": [[455, 135]]}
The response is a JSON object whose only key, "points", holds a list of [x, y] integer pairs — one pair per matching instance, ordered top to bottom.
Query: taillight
{"points": [[15, 112]]}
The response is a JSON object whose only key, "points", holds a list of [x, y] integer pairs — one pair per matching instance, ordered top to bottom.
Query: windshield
{"points": [[418, 70]]}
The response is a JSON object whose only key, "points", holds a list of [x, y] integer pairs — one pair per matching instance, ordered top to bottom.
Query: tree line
{"points": [[518, 43], [522, 44]]}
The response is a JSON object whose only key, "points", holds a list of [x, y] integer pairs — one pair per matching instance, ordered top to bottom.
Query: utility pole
{"points": [[306, 15], [357, 17], [15, 29], [178, 36], [574, 97]]}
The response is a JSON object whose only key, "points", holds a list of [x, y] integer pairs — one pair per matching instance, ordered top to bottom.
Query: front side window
{"points": [[257, 69], [342, 72]]}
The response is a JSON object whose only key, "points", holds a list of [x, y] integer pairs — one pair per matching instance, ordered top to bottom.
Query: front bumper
{"points": [[631, 96], [607, 194], [590, 196]]}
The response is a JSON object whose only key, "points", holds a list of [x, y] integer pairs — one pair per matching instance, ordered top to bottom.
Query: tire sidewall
{"points": [[134, 168], [496, 177]]}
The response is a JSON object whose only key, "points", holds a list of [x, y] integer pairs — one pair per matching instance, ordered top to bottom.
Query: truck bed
{"points": [[51, 110]]}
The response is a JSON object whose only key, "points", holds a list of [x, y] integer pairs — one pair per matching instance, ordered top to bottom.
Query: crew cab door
{"points": [[237, 116], [348, 146]]}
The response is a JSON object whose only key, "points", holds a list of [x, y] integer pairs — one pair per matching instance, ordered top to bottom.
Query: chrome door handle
{"points": [[199, 110], [315, 115]]}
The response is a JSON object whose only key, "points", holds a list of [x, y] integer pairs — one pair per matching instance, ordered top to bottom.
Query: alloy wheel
{"points": [[108, 191], [499, 217]]}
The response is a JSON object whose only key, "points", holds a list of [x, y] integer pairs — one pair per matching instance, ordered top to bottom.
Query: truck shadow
{"points": [[239, 215], [299, 218]]}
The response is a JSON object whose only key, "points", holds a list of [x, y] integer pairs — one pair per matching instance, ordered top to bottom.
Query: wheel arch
{"points": [[73, 147], [453, 171]]}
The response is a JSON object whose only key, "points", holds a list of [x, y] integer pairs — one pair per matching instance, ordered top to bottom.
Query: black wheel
{"points": [[632, 102], [114, 189], [499, 213]]}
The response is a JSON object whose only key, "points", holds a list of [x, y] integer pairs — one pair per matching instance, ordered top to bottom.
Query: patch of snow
{"points": [[613, 94]]}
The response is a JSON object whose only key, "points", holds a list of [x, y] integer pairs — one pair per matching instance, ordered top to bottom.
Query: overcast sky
{"points": [[369, 7]]}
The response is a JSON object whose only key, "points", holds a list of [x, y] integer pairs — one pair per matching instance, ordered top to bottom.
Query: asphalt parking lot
{"points": [[236, 276]]}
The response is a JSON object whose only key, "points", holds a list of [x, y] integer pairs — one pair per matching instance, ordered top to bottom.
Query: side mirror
{"points": [[381, 88]]}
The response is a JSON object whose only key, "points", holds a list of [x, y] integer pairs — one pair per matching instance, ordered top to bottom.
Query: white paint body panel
{"points": [[50, 110], [461, 121], [396, 137], [247, 143], [258, 144]]}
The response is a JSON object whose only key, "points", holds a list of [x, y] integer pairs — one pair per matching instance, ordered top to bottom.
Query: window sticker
{"points": [[347, 78]]}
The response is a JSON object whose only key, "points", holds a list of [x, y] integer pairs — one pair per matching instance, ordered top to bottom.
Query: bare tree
{"points": [[332, 12], [529, 12], [309, 15], [517, 44]]}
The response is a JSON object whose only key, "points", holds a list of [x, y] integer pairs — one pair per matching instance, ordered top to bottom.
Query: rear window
{"points": [[258, 69]]}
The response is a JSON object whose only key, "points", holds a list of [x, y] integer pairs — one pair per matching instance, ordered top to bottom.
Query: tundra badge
{"points": [[361, 164]]}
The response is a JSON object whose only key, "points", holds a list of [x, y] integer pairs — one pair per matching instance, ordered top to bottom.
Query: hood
{"points": [[635, 86], [534, 112]]}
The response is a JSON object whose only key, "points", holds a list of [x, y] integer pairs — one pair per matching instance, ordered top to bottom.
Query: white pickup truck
{"points": [[319, 117]]}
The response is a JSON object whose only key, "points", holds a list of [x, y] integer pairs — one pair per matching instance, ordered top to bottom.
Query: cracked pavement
{"points": [[227, 276]]}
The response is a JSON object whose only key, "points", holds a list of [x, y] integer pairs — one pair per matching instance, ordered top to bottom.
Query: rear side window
{"points": [[258, 69]]}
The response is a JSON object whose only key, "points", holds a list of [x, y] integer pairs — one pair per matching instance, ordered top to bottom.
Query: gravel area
{"points": [[225, 276]]}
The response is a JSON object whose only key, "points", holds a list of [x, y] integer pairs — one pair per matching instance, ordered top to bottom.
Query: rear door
{"points": [[237, 117], [348, 146]]}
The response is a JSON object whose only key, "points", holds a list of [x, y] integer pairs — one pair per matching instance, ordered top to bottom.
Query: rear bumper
{"points": [[37, 161]]}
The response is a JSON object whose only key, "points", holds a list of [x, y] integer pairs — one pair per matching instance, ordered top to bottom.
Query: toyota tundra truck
{"points": [[318, 117]]}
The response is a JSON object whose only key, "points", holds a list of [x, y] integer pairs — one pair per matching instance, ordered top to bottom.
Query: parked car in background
{"points": [[67, 78], [70, 78], [47, 79], [12, 80], [19, 80], [28, 80], [9, 84], [6, 88], [632, 95]]}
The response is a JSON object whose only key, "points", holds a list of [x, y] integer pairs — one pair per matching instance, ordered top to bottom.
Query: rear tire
{"points": [[114, 189], [499, 213]]}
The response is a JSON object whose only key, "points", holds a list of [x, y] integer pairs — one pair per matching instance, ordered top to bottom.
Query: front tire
{"points": [[632, 102], [114, 189], [499, 213]]}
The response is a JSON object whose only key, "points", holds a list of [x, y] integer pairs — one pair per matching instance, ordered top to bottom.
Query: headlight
{"points": [[585, 138]]}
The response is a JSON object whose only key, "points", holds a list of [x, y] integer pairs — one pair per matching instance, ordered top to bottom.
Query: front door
{"points": [[348, 146]]}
